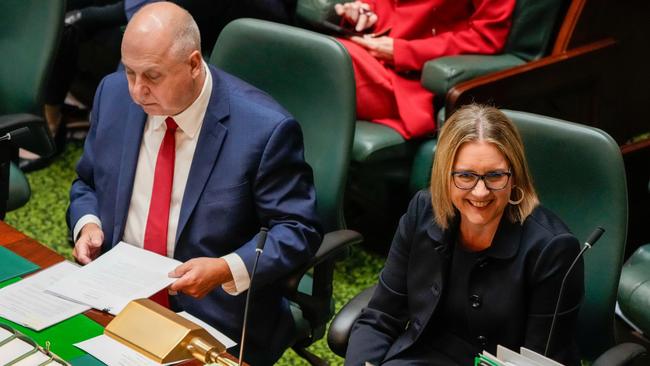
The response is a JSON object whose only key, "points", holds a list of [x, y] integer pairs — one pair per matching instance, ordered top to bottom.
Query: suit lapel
{"points": [[211, 138], [129, 161]]}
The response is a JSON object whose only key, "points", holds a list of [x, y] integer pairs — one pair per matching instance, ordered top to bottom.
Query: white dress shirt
{"points": [[189, 128]]}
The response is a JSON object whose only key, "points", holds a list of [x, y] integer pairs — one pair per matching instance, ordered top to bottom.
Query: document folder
{"points": [[14, 265]]}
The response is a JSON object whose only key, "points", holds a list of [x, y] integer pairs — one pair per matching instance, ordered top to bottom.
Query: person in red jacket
{"points": [[400, 36]]}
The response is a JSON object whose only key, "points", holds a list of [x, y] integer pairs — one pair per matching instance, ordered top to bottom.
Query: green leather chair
{"points": [[30, 31], [535, 34], [540, 44], [311, 76], [579, 174]]}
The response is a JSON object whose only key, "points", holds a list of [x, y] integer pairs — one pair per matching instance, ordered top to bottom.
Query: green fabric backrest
{"points": [[534, 25], [29, 34], [311, 76], [579, 174]]}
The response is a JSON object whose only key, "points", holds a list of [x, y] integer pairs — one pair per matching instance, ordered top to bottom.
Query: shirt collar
{"points": [[191, 119]]}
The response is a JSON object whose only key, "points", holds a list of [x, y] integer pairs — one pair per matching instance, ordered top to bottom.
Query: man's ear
{"points": [[196, 63]]}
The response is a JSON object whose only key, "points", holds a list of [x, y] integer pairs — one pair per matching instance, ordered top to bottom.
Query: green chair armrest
{"points": [[443, 73], [371, 138], [422, 162], [19, 191], [335, 245], [634, 288], [341, 326], [619, 355]]}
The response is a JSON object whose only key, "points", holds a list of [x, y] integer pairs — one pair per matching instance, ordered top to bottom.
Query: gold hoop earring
{"points": [[510, 201]]}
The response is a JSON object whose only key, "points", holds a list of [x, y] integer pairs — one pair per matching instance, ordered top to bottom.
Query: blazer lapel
{"points": [[211, 138], [129, 161]]}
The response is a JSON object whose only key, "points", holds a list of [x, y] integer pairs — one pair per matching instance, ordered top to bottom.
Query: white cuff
{"points": [[85, 219], [240, 278]]}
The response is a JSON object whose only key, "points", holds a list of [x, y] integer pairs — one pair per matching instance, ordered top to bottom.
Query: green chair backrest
{"points": [[534, 25], [29, 34], [311, 76], [579, 174]]}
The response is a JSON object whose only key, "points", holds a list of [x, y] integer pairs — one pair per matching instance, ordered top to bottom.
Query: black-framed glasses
{"points": [[493, 181], [27, 349]]}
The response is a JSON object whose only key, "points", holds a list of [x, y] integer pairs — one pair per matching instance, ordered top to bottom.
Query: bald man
{"points": [[188, 161]]}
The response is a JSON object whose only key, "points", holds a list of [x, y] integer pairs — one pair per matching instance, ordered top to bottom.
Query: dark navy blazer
{"points": [[248, 171], [512, 289]]}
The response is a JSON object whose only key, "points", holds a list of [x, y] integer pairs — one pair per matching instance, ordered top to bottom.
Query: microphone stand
{"points": [[593, 238], [261, 240]]}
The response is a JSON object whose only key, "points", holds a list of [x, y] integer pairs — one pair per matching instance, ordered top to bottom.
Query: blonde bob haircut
{"points": [[476, 122]]}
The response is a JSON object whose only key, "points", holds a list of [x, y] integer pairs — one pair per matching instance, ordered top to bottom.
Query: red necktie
{"points": [[155, 234]]}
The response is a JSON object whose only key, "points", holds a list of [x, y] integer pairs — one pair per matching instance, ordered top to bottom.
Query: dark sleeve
{"points": [[83, 198], [285, 202], [546, 279], [386, 316]]}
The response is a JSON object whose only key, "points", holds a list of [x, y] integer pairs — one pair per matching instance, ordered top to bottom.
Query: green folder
{"points": [[12, 265], [62, 336], [86, 360]]}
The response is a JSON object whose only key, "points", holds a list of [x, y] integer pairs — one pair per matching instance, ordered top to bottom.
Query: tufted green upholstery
{"points": [[29, 34], [311, 76], [579, 174]]}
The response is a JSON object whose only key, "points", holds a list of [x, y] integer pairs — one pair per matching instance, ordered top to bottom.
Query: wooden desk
{"points": [[43, 256]]}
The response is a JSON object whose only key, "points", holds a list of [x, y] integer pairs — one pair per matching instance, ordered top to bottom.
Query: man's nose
{"points": [[139, 89]]}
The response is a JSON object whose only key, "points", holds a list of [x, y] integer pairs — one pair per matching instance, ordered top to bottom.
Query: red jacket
{"points": [[427, 29]]}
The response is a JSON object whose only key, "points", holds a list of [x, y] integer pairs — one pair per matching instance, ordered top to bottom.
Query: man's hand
{"points": [[357, 13], [380, 48], [89, 245], [198, 276]]}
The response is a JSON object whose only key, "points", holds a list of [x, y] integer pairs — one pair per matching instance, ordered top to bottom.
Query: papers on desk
{"points": [[122, 274], [27, 303], [227, 342], [114, 353], [507, 357]]}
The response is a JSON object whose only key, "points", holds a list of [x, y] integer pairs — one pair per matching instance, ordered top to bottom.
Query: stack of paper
{"points": [[122, 274], [26, 302], [507, 357]]}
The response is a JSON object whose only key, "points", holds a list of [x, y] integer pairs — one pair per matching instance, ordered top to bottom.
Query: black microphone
{"points": [[16, 134], [591, 240], [261, 241]]}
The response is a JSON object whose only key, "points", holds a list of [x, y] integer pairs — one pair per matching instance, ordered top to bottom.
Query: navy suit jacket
{"points": [[248, 171]]}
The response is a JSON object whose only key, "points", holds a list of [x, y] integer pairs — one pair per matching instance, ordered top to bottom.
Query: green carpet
{"points": [[43, 218]]}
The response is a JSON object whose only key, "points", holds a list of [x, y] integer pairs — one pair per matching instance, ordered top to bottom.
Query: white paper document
{"points": [[122, 274], [26, 302], [227, 342], [114, 353], [510, 357]]}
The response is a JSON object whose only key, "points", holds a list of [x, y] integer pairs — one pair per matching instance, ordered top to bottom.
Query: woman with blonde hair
{"points": [[476, 261]]}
